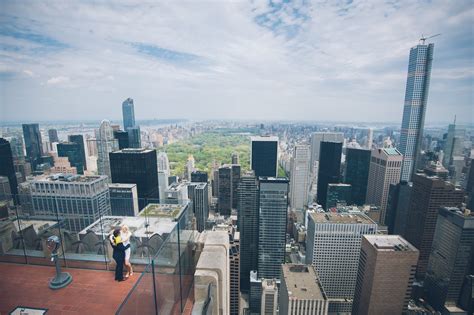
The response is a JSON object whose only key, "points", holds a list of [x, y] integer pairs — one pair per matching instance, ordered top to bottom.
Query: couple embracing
{"points": [[120, 241]]}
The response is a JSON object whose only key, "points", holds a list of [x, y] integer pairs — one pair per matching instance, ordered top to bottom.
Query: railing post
{"points": [[154, 285]]}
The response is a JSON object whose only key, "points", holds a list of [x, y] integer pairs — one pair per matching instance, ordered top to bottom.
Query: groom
{"points": [[118, 254]]}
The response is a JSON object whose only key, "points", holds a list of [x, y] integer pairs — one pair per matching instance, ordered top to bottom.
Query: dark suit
{"points": [[119, 257]]}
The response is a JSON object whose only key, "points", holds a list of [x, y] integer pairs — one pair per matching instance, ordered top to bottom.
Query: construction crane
{"points": [[423, 38]]}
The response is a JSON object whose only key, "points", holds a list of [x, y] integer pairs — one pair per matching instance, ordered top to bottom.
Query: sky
{"points": [[296, 60]]}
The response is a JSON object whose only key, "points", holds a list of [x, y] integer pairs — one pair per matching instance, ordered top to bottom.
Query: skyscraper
{"points": [[416, 96], [128, 111], [53, 136], [134, 137], [122, 138], [317, 138], [79, 139], [33, 143], [105, 144], [454, 144], [72, 151], [264, 156], [163, 163], [6, 166], [137, 166], [329, 168], [384, 170], [357, 173], [299, 182], [162, 184], [235, 184], [248, 193], [428, 195], [224, 202], [398, 202], [201, 205], [272, 226], [333, 246], [451, 258], [385, 275]]}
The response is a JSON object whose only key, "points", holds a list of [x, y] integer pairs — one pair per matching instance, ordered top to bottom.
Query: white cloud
{"points": [[345, 61], [57, 80]]}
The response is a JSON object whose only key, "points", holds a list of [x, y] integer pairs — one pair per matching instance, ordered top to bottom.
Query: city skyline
{"points": [[295, 60]]}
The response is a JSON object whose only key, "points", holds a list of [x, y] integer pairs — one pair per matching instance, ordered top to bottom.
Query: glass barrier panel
{"points": [[12, 244], [140, 299]]}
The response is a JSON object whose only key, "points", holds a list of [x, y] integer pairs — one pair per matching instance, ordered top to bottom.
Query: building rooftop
{"points": [[264, 138], [133, 150], [391, 151], [60, 177], [120, 185], [340, 185], [175, 186], [161, 210], [343, 218], [141, 227], [392, 243], [302, 282], [90, 292]]}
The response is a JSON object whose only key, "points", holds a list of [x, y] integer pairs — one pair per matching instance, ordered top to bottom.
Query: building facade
{"points": [[416, 96], [128, 112], [317, 138], [79, 139], [33, 143], [106, 143], [72, 151], [264, 156], [137, 166], [385, 166], [7, 168], [329, 168], [357, 173], [299, 182], [248, 192], [338, 194], [431, 194], [124, 199], [77, 201], [201, 205], [272, 224], [333, 244], [451, 258], [385, 275], [269, 300]]}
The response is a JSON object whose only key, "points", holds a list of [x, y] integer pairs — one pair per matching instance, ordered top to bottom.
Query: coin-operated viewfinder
{"points": [[62, 279]]}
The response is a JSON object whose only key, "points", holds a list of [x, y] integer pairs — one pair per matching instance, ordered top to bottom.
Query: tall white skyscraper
{"points": [[416, 96], [105, 144], [384, 170], [299, 177], [333, 246]]}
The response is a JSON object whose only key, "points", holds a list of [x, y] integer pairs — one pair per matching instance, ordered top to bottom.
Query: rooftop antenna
{"points": [[423, 38], [454, 119]]}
